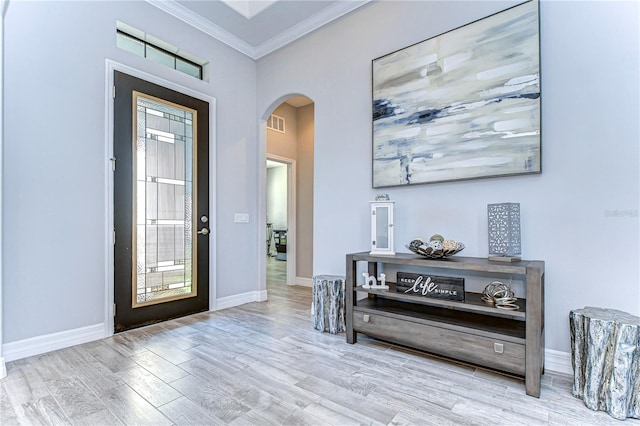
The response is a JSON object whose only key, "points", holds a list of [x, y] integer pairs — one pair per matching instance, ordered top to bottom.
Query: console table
{"points": [[470, 331]]}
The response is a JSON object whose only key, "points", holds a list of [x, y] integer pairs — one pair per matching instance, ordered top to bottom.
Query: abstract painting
{"points": [[462, 105]]}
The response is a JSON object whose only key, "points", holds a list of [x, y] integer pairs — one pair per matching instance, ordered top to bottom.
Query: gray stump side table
{"points": [[327, 306], [605, 354]]}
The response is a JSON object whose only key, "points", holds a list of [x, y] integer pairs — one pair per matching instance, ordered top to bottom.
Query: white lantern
{"points": [[382, 227]]}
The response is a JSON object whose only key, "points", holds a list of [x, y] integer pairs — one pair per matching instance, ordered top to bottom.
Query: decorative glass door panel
{"points": [[164, 218]]}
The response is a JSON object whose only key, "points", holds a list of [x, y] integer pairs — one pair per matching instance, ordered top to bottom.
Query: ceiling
{"points": [[257, 27]]}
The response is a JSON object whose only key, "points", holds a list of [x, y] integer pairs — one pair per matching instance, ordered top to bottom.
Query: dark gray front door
{"points": [[161, 203]]}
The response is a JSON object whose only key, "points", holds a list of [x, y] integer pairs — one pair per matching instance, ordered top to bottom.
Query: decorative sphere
{"points": [[436, 237], [415, 244], [435, 244], [450, 245]]}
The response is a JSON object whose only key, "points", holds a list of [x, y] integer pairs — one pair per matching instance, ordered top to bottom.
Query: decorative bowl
{"points": [[430, 253]]}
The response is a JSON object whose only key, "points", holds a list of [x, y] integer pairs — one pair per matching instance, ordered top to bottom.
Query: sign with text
{"points": [[448, 288]]}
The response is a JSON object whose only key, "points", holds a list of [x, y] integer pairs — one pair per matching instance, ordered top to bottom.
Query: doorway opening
{"points": [[280, 191], [288, 192]]}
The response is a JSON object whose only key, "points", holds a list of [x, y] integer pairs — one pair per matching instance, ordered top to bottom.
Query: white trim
{"points": [[3, 8], [325, 16], [189, 17], [110, 67], [261, 201], [291, 215], [213, 218], [292, 223], [305, 282], [241, 299], [51, 342], [557, 361]]}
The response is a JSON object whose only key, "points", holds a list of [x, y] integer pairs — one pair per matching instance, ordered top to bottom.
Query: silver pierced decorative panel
{"points": [[504, 229]]}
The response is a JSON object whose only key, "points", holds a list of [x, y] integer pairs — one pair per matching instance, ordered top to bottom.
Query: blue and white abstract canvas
{"points": [[462, 105]]}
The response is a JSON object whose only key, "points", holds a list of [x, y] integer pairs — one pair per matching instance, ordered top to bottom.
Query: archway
{"points": [[288, 139]]}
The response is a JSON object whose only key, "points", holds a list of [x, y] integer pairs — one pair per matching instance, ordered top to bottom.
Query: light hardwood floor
{"points": [[276, 271], [264, 364]]}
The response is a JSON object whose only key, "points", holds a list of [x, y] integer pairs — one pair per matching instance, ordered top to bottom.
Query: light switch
{"points": [[241, 218]]}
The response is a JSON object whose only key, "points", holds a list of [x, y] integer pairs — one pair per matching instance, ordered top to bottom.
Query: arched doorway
{"points": [[287, 138]]}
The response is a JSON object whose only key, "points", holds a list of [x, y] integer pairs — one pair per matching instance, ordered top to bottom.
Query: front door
{"points": [[161, 203]]}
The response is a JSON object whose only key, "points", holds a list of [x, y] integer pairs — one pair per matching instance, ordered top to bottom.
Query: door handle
{"points": [[204, 231]]}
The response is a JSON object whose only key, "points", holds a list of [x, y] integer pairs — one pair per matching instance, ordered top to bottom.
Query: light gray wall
{"points": [[54, 159], [580, 215]]}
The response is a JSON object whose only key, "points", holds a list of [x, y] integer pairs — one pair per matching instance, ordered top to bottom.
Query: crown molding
{"points": [[186, 15], [310, 24], [301, 29]]}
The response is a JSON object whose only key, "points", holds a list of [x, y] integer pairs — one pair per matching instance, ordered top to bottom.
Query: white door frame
{"points": [[3, 9], [110, 67], [291, 214]]}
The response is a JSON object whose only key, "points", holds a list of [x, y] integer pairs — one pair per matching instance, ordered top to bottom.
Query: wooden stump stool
{"points": [[328, 303], [605, 354]]}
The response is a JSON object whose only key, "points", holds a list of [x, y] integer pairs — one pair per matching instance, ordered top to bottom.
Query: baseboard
{"points": [[305, 282], [241, 299], [64, 339], [51, 342], [557, 361]]}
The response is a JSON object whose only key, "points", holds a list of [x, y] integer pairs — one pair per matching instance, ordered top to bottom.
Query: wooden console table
{"points": [[470, 331]]}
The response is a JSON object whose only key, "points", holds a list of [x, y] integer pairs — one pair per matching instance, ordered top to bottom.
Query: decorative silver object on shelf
{"points": [[382, 197], [504, 231], [430, 251], [500, 295], [605, 354]]}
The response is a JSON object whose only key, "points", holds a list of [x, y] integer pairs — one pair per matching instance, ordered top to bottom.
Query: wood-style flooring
{"points": [[264, 364]]}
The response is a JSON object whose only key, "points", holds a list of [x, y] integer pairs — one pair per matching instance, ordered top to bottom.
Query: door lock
{"points": [[204, 219], [204, 231]]}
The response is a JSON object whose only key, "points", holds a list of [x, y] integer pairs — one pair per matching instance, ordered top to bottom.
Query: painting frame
{"points": [[464, 104]]}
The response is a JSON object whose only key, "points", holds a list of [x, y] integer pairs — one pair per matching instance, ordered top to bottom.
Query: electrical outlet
{"points": [[241, 218]]}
